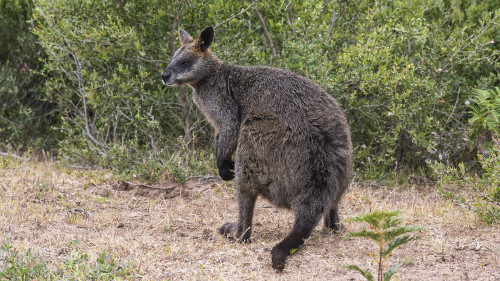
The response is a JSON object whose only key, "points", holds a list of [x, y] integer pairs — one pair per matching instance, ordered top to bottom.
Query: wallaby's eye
{"points": [[185, 63]]}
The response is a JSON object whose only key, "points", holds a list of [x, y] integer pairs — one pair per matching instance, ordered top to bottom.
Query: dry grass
{"points": [[168, 231]]}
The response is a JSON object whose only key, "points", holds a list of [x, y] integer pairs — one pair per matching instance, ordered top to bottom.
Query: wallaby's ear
{"points": [[184, 37], [205, 39]]}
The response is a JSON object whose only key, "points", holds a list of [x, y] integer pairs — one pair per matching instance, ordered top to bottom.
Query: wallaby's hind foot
{"points": [[332, 220]]}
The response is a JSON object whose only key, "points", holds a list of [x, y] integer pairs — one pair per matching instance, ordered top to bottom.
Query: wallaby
{"points": [[290, 138]]}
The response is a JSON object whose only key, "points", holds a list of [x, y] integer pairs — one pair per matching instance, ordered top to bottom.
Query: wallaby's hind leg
{"points": [[340, 184], [306, 218], [332, 219], [241, 230]]}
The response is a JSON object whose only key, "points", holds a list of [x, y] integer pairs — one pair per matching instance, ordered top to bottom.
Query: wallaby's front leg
{"points": [[225, 145], [241, 231]]}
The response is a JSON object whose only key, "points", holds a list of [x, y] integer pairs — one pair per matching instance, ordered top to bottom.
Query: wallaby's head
{"points": [[192, 61]]}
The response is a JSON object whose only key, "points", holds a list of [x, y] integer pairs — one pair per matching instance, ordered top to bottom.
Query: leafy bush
{"points": [[104, 60], [402, 71], [26, 116], [485, 118], [479, 189], [480, 193], [387, 233], [15, 265]]}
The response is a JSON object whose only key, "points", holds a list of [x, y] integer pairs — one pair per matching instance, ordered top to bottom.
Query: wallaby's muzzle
{"points": [[165, 77]]}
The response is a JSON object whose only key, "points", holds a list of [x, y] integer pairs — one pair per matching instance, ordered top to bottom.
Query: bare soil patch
{"points": [[167, 231]]}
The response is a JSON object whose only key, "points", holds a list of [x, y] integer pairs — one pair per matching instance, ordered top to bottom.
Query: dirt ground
{"points": [[167, 231]]}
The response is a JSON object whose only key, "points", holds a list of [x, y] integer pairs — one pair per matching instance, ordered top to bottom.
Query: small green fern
{"points": [[485, 111], [388, 234]]}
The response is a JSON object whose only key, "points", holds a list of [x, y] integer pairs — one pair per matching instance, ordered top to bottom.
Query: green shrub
{"points": [[402, 70], [26, 117], [485, 118], [478, 192], [387, 233], [15, 265]]}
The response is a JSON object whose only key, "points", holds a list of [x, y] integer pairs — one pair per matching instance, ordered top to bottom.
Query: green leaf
{"points": [[374, 218], [392, 222], [363, 233], [391, 234], [398, 241], [393, 269], [365, 273]]}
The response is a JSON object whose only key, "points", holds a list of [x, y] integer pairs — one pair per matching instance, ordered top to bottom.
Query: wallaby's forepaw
{"points": [[226, 170], [227, 230], [278, 258]]}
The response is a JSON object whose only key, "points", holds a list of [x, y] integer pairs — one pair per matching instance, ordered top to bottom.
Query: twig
{"points": [[237, 15], [289, 18], [334, 20], [176, 23], [266, 33], [461, 48], [152, 61], [84, 100], [456, 101], [449, 115], [9, 121], [80, 167], [205, 177], [137, 184], [147, 186], [82, 211]]}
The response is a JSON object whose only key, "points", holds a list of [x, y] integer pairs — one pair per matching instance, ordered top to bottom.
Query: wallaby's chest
{"points": [[207, 103]]}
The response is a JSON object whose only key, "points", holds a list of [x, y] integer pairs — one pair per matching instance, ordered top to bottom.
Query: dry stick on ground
{"points": [[266, 33]]}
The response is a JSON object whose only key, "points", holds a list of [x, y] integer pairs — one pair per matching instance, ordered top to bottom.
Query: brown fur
{"points": [[290, 138]]}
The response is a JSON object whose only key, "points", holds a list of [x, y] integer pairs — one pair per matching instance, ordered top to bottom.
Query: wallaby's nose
{"points": [[165, 76]]}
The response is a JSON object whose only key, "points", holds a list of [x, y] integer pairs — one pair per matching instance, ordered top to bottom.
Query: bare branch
{"points": [[237, 15], [177, 17], [289, 17], [334, 20], [266, 33], [472, 39], [151, 60], [84, 100], [101, 148]]}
